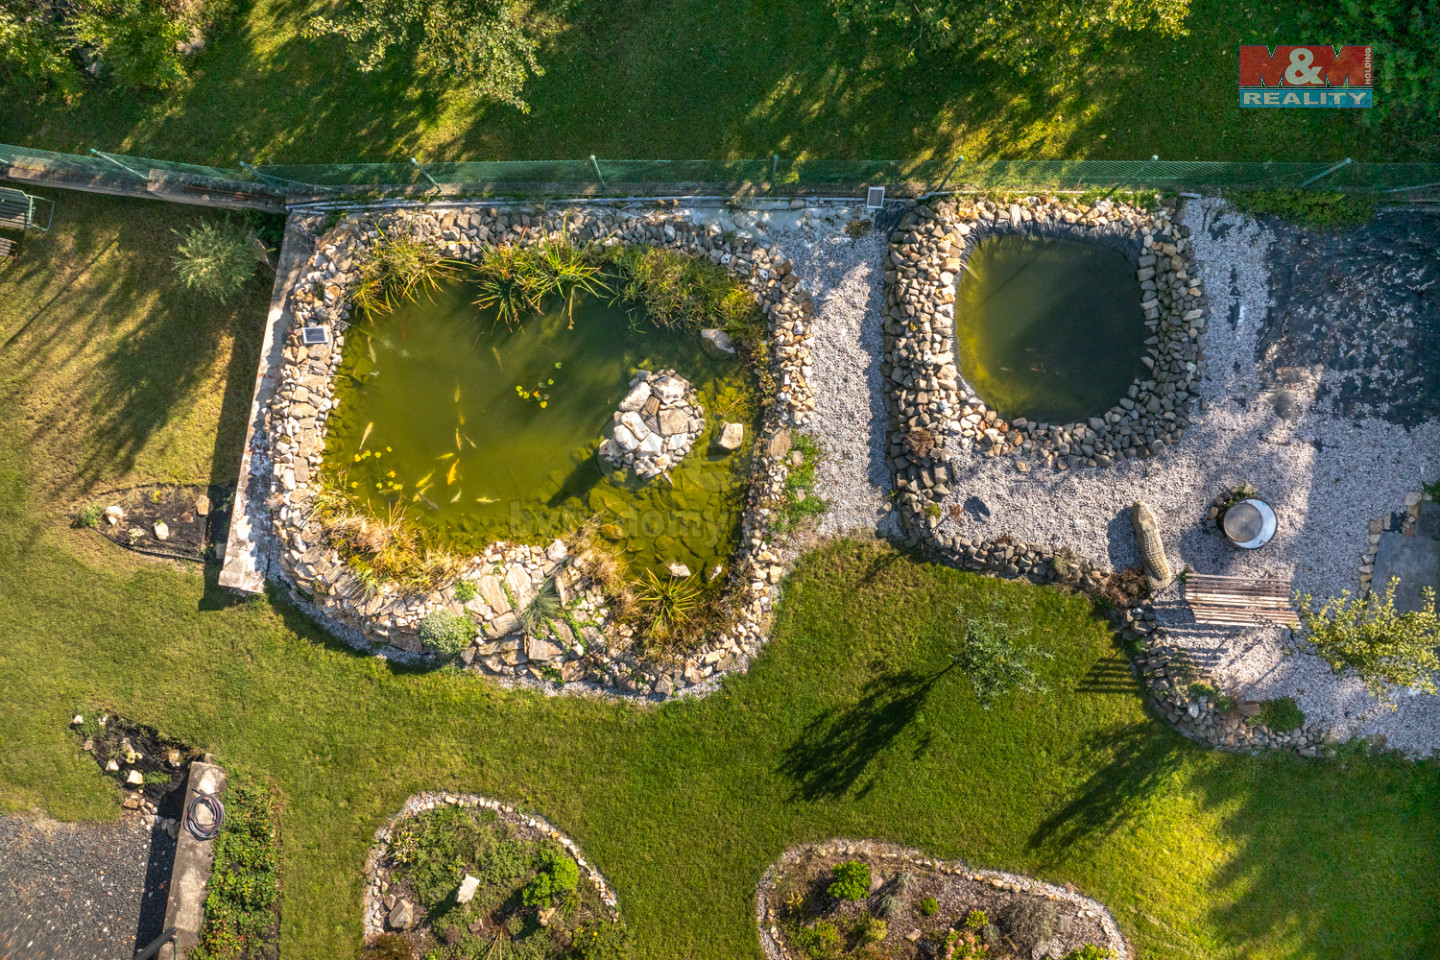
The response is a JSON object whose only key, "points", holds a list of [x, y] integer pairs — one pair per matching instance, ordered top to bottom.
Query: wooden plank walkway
{"points": [[1239, 601]]}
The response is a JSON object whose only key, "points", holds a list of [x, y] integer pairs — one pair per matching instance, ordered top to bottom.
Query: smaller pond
{"points": [[1049, 330], [481, 433]]}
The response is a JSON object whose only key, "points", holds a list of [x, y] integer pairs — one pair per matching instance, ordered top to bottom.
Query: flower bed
{"points": [[871, 899]]}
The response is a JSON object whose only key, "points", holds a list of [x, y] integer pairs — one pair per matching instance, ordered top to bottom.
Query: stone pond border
{"points": [[926, 398], [288, 449], [376, 884], [767, 910]]}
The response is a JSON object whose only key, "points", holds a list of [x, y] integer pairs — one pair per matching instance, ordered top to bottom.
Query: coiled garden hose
{"points": [[205, 831]]}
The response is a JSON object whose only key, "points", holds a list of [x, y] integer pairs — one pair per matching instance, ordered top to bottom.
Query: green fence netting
{"points": [[657, 177]]}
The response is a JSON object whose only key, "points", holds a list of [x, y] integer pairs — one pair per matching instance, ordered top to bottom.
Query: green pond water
{"points": [[1049, 330], [429, 406]]}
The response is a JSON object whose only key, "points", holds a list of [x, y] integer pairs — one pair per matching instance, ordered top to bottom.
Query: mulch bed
{"points": [[196, 520], [128, 746]]}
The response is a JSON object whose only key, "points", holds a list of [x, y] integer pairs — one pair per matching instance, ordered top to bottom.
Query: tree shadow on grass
{"points": [[832, 758]]}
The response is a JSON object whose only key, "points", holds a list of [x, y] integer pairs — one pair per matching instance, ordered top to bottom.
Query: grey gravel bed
{"points": [[849, 416], [1327, 477], [78, 891]]}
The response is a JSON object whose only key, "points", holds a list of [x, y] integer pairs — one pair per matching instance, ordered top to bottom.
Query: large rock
{"points": [[717, 343], [669, 389], [635, 399], [674, 421], [731, 436], [651, 446], [541, 650], [402, 915]]}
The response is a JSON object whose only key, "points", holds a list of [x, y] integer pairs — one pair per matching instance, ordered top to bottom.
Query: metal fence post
{"points": [[774, 169], [135, 173], [1324, 173], [426, 175], [598, 175], [946, 179]]}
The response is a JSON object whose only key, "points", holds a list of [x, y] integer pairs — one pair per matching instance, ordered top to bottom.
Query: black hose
{"points": [[204, 831]]}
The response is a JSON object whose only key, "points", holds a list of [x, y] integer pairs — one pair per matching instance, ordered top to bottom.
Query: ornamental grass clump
{"points": [[216, 259], [398, 270], [1367, 635]]}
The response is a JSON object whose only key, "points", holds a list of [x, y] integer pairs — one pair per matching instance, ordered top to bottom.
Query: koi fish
{"points": [[370, 349], [457, 393], [366, 435], [468, 440], [458, 445], [445, 456], [450, 476], [425, 479], [456, 498], [486, 500], [430, 503]]}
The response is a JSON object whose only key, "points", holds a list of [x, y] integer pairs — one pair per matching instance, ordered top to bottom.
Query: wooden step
{"points": [[8, 247], [1239, 600]]}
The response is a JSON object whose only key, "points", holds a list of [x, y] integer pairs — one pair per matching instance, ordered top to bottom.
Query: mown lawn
{"points": [[675, 79], [851, 723]]}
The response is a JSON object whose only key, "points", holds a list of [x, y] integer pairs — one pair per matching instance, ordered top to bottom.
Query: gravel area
{"points": [[849, 416], [1325, 475], [80, 891]]}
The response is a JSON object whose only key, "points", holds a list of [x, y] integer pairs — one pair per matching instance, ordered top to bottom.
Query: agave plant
{"points": [[667, 604]]}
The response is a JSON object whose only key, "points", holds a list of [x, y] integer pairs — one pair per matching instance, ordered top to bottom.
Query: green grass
{"points": [[695, 79], [852, 723]]}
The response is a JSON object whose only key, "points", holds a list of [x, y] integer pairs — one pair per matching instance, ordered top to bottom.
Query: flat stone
{"points": [[669, 389], [635, 400], [631, 421], [674, 422], [731, 436], [625, 439], [779, 444], [651, 446], [202, 506], [557, 551], [1415, 561], [678, 569], [520, 587], [493, 594], [506, 623], [542, 650], [468, 886], [402, 915]]}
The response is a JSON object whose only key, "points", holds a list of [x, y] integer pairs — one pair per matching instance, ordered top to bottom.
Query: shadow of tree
{"points": [[833, 755]]}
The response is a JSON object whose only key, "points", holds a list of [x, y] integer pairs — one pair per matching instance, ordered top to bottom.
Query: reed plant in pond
{"points": [[399, 269]]}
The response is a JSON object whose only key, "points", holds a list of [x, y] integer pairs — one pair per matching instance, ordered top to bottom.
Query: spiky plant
{"points": [[398, 270], [665, 604], [545, 607]]}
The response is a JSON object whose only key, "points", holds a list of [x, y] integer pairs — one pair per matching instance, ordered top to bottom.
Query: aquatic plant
{"points": [[398, 269], [516, 281], [677, 289], [382, 550]]}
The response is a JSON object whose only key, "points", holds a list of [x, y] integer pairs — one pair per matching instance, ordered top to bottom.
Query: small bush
{"points": [[1313, 208], [215, 258], [799, 500], [89, 516], [464, 591], [540, 611], [446, 633], [1369, 636], [991, 659], [1281, 716], [558, 875], [852, 880], [928, 907], [976, 920], [1029, 922], [872, 929], [601, 941], [818, 942], [1091, 951]]}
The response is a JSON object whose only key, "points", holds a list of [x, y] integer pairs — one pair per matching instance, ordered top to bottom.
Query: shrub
{"points": [[136, 40], [482, 45], [34, 53], [1313, 208], [216, 258], [89, 516], [464, 591], [666, 604], [446, 633], [1368, 636], [993, 662], [1281, 716], [558, 875], [852, 880], [244, 883], [928, 907], [975, 920], [1028, 921], [872, 929], [601, 941], [820, 941], [1091, 951]]}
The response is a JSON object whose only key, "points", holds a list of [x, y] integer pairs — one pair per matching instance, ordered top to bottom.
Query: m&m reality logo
{"points": [[1306, 76]]}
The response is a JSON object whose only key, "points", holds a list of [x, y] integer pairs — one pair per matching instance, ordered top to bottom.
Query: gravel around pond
{"points": [[849, 416], [1327, 476], [81, 891]]}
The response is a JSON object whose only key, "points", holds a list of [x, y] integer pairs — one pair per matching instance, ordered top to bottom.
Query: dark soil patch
{"points": [[1364, 304], [196, 519], [121, 746], [900, 891]]}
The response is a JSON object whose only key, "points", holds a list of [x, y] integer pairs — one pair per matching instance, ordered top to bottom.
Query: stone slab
{"points": [[1414, 560], [194, 859]]}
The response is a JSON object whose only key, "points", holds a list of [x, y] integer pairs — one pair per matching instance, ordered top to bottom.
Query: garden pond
{"points": [[480, 432]]}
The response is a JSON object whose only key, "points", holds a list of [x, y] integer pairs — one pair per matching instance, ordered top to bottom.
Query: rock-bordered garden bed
{"points": [[387, 619], [529, 880], [914, 906]]}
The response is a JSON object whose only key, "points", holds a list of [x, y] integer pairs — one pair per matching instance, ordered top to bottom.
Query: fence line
{"points": [[274, 186]]}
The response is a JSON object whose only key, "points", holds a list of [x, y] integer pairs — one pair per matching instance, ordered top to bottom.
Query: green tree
{"points": [[1021, 34], [135, 39], [482, 44], [34, 52], [216, 258], [1368, 636]]}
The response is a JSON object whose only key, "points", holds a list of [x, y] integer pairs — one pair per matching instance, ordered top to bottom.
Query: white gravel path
{"points": [[849, 416], [1326, 478]]}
